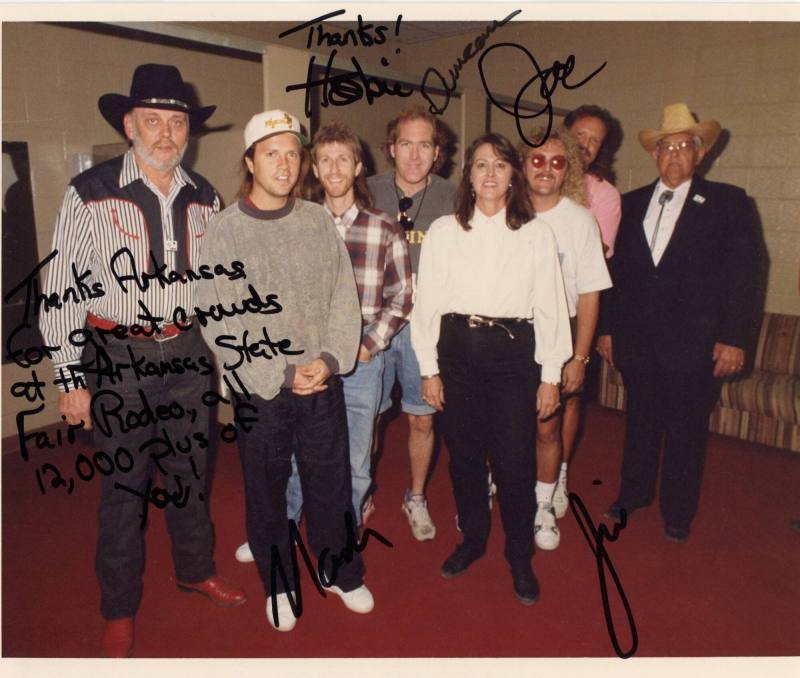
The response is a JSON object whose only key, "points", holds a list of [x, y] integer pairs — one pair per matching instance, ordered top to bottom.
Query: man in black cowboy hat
{"points": [[681, 309], [129, 351]]}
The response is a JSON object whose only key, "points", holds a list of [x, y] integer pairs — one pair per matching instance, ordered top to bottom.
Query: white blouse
{"points": [[496, 272]]}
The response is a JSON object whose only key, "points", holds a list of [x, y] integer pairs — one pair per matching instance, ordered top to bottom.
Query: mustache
{"points": [[545, 175]]}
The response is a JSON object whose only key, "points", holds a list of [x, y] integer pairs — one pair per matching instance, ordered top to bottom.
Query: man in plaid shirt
{"points": [[379, 254]]}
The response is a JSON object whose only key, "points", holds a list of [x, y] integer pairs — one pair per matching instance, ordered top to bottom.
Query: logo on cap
{"points": [[272, 122]]}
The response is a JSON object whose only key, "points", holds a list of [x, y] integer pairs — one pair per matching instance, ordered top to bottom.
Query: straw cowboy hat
{"points": [[153, 86], [676, 119]]}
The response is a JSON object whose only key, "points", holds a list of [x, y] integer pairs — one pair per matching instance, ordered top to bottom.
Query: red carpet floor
{"points": [[732, 589]]}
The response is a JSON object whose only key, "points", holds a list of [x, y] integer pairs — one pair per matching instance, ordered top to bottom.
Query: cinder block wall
{"points": [[746, 75], [52, 78]]}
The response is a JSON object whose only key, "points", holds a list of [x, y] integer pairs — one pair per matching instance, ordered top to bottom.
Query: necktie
{"points": [[663, 199]]}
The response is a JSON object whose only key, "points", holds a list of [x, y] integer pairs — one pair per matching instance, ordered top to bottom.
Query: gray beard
{"points": [[150, 161]]}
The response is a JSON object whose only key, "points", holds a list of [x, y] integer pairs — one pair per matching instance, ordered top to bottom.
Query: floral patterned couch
{"points": [[763, 404]]}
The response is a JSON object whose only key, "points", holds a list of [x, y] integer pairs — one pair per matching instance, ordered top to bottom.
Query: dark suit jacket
{"points": [[703, 289]]}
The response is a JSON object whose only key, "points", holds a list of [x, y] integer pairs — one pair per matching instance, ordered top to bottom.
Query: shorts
{"points": [[401, 363]]}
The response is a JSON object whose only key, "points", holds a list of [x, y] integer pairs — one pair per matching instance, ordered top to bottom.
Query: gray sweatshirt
{"points": [[298, 294]]}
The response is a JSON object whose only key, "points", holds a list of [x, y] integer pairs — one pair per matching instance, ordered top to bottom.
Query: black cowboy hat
{"points": [[153, 86]]}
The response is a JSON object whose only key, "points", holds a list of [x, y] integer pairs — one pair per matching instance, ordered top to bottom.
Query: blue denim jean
{"points": [[401, 364], [362, 397]]}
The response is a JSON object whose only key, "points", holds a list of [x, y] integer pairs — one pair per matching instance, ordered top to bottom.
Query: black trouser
{"points": [[490, 382], [673, 407], [318, 424], [154, 450]]}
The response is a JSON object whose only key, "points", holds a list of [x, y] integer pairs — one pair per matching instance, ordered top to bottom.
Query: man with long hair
{"points": [[598, 134], [554, 172], [379, 254], [291, 378]]}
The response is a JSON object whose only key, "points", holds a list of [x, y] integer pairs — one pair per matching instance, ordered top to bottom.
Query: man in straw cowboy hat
{"points": [[140, 212], [679, 315]]}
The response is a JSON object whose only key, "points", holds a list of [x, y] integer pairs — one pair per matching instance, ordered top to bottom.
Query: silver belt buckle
{"points": [[476, 321]]}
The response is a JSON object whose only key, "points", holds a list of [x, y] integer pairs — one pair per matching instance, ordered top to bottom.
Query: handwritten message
{"points": [[533, 97], [120, 377]]}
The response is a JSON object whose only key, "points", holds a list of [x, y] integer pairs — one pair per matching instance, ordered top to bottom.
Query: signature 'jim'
{"points": [[595, 536]]}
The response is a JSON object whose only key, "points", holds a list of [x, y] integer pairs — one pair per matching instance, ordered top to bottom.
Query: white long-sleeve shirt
{"points": [[495, 272]]}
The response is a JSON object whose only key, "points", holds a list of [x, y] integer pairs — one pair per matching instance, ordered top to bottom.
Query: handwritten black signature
{"points": [[471, 49], [548, 79], [346, 87], [596, 536], [320, 580]]}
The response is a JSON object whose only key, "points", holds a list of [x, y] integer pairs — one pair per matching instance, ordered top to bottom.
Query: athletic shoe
{"points": [[560, 497], [416, 508], [545, 530], [244, 554], [358, 600], [286, 620]]}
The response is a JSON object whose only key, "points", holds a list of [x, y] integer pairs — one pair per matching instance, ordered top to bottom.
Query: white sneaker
{"points": [[561, 498], [416, 508], [545, 530], [244, 554], [358, 600], [286, 620]]}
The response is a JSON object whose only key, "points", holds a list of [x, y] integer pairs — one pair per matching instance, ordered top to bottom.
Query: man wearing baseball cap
{"points": [[139, 212], [681, 310], [290, 379]]}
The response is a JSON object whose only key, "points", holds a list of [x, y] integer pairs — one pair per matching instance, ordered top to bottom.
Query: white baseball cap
{"points": [[269, 123]]}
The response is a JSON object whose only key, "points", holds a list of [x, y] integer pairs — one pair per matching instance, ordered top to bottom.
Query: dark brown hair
{"points": [[602, 165], [246, 187], [519, 209]]}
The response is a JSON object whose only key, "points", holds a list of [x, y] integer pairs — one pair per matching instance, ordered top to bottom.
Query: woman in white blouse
{"points": [[490, 304]]}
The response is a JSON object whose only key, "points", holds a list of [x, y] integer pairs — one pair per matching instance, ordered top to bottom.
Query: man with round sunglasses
{"points": [[554, 172], [418, 196]]}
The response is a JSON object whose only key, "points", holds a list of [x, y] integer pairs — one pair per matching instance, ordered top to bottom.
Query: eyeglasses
{"points": [[673, 146], [557, 162], [403, 205]]}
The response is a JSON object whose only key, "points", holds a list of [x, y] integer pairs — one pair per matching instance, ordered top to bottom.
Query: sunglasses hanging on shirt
{"points": [[404, 204]]}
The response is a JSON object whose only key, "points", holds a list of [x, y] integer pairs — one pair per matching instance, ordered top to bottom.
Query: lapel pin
{"points": [[698, 198]]}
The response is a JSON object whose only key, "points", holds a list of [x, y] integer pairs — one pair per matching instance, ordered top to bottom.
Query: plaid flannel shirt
{"points": [[379, 254]]}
